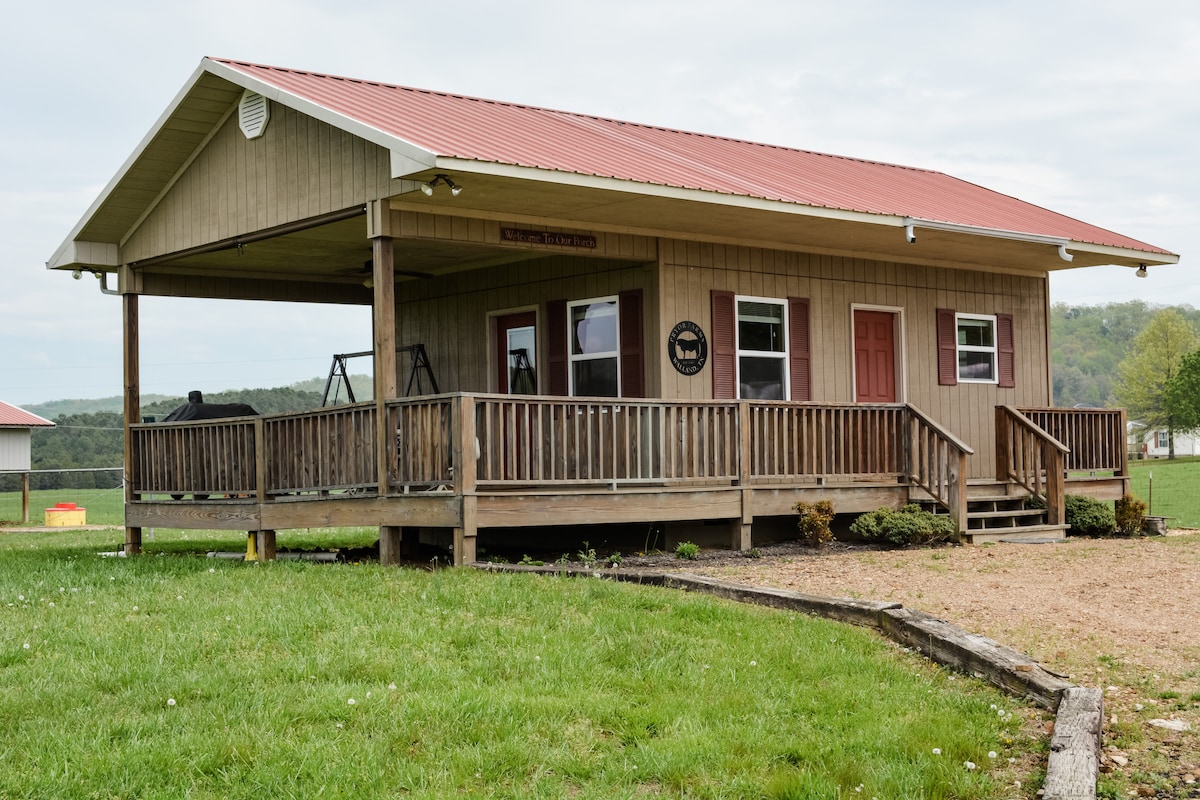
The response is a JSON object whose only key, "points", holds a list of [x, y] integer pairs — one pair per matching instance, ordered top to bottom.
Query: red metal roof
{"points": [[473, 129], [13, 417]]}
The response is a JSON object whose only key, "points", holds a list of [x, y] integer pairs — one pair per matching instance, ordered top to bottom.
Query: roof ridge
{"points": [[575, 114]]}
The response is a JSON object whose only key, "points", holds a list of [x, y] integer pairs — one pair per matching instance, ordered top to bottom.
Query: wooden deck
{"points": [[469, 461]]}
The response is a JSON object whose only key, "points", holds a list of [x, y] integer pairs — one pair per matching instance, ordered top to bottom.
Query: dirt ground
{"points": [[1118, 614]]}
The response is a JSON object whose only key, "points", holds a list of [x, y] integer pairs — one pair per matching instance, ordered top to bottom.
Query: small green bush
{"points": [[1130, 514], [1089, 517], [814, 521], [910, 525], [688, 550]]}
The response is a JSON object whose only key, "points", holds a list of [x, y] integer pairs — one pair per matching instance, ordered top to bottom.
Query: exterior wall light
{"points": [[427, 188]]}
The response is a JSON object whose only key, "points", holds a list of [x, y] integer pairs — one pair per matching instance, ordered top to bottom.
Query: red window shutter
{"points": [[724, 346], [556, 347], [947, 347], [799, 348], [1005, 351], [633, 369]]}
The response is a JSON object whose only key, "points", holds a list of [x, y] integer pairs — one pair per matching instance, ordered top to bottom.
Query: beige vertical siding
{"points": [[299, 168], [833, 285], [451, 315]]}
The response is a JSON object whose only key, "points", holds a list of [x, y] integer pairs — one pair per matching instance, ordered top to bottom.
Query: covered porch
{"points": [[467, 461]]}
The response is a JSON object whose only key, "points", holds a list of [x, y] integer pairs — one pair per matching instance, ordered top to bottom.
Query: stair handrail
{"points": [[1029, 456], [937, 462]]}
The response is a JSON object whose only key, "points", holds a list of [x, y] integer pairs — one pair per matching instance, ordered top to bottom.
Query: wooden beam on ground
{"points": [[973, 654], [1074, 761]]}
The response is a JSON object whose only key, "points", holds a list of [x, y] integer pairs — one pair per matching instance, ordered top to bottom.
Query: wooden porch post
{"points": [[383, 276], [132, 406], [464, 480], [956, 491], [24, 498], [740, 537]]}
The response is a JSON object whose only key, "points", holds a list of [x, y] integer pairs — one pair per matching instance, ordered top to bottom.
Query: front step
{"points": [[997, 512], [1027, 534]]}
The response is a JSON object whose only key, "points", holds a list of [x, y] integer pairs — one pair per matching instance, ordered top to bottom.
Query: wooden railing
{"points": [[1095, 437], [789, 440], [561, 441], [464, 443], [328, 450], [421, 452], [1029, 456], [214, 457], [937, 462]]}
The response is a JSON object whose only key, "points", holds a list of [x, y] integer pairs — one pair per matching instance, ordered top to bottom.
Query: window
{"points": [[976, 348], [762, 349], [595, 350], [1164, 440]]}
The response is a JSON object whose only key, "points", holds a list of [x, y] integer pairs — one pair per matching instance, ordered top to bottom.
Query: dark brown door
{"points": [[516, 353], [874, 356]]}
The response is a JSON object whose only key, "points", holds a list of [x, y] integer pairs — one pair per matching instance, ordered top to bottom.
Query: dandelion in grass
{"points": [[21, 598], [52, 604], [135, 608], [27, 645], [391, 687], [170, 701], [350, 702], [937, 751], [991, 753], [969, 765]]}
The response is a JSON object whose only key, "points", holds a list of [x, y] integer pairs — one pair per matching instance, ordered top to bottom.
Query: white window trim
{"points": [[967, 348], [901, 354], [784, 356], [572, 357]]}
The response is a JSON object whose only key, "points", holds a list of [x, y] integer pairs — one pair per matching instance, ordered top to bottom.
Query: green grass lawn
{"points": [[1176, 489], [174, 675]]}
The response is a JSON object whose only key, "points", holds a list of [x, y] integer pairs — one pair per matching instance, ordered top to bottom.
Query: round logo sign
{"points": [[687, 348]]}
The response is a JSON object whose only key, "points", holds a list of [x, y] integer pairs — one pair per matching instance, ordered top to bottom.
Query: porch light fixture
{"points": [[427, 188], [1141, 271]]}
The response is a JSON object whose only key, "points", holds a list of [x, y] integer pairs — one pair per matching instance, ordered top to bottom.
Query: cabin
{"points": [[581, 320], [16, 446]]}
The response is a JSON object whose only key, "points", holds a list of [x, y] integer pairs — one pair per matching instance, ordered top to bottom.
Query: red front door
{"points": [[874, 356]]}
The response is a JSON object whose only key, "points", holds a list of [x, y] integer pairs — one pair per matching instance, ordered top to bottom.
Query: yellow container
{"points": [[65, 515]]}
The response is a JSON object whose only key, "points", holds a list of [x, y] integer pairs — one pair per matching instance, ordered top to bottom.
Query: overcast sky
{"points": [[1091, 108]]}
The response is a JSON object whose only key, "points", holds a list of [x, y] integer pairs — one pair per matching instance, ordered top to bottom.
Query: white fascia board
{"points": [[412, 154], [656, 190], [1123, 253], [86, 255], [1150, 259]]}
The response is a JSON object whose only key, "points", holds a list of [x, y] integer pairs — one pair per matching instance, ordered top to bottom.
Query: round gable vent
{"points": [[254, 112]]}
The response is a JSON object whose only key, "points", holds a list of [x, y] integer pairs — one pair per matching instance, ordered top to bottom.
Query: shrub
{"points": [[1130, 514], [1089, 517], [814, 521], [909, 525], [688, 550]]}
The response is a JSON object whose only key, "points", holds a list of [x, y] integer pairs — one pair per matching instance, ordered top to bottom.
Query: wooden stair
{"points": [[999, 512]]}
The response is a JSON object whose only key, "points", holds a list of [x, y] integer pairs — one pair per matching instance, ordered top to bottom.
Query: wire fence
{"points": [[98, 490]]}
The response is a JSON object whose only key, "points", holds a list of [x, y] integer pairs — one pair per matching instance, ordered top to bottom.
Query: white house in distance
{"points": [[16, 432], [1148, 443]]}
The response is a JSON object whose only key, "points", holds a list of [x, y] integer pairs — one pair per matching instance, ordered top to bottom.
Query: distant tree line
{"points": [[1088, 344]]}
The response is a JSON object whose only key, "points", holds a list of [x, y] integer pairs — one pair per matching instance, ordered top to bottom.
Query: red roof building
{"points": [[745, 325]]}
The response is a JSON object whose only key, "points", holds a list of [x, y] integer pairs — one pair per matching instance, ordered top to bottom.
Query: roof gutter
{"points": [[912, 223]]}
